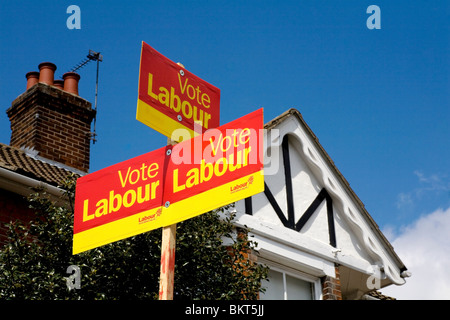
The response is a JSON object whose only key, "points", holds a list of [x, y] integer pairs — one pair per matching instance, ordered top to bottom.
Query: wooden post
{"points": [[169, 236], [168, 242], [167, 262]]}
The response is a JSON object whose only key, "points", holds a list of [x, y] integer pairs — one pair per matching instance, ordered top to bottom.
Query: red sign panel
{"points": [[170, 97]]}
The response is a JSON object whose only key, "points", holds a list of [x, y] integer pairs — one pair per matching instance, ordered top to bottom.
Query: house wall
{"points": [[12, 207], [338, 233], [331, 287]]}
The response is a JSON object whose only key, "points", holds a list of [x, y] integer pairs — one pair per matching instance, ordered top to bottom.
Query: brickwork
{"points": [[54, 123], [12, 207], [331, 287]]}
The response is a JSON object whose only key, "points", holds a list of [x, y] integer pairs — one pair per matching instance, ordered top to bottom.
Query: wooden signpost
{"points": [[211, 167], [168, 245], [167, 273]]}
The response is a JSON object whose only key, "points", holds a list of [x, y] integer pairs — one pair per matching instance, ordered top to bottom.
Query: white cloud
{"points": [[434, 182], [437, 184], [404, 200], [424, 247]]}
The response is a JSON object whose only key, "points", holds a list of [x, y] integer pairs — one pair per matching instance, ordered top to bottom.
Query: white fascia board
{"points": [[20, 184], [289, 244], [296, 259]]}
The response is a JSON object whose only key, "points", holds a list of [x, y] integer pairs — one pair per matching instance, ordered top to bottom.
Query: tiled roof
{"points": [[19, 161], [378, 295]]}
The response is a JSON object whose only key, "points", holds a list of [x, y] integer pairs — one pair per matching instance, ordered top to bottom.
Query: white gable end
{"points": [[308, 211]]}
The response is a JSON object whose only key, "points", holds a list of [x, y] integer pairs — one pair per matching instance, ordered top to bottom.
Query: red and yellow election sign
{"points": [[170, 97], [171, 184], [117, 201]]}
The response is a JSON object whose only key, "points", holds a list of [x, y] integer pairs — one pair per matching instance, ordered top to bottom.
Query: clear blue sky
{"points": [[377, 99]]}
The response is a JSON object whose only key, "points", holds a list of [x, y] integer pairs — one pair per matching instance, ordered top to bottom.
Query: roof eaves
{"points": [[19, 161]]}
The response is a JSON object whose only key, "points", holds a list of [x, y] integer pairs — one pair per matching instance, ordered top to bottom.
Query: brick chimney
{"points": [[51, 120]]}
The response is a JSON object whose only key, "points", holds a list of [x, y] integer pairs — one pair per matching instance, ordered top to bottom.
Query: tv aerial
{"points": [[92, 56]]}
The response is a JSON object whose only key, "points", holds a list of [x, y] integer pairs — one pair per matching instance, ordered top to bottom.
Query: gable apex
{"points": [[293, 113], [306, 196]]}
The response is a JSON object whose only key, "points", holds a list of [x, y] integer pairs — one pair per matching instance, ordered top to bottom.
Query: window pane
{"points": [[275, 287], [298, 289]]}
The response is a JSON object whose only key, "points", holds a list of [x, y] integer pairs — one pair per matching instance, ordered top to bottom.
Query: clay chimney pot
{"points": [[47, 72], [32, 78], [71, 82], [59, 84]]}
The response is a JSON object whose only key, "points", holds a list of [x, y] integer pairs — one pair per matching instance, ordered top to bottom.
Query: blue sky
{"points": [[378, 100]]}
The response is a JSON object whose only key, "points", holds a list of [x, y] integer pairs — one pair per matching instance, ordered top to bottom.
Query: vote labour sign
{"points": [[170, 97], [170, 184]]}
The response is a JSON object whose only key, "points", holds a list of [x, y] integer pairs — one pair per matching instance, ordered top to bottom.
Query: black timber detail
{"points": [[289, 222]]}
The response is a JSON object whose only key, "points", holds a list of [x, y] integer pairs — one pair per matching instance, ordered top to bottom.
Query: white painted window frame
{"points": [[316, 286]]}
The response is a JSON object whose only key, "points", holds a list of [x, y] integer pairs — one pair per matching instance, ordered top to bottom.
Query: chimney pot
{"points": [[47, 72], [32, 78], [71, 82], [59, 84]]}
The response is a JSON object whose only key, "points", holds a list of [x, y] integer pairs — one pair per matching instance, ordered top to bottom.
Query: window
{"points": [[284, 285]]}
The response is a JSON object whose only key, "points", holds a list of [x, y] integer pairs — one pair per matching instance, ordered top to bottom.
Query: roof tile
{"points": [[19, 161]]}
